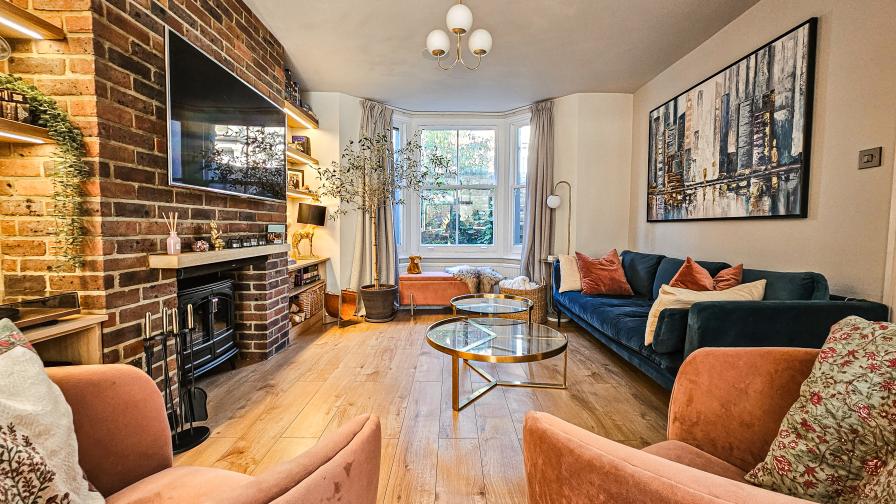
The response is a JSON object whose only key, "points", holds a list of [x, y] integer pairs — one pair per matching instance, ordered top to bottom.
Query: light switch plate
{"points": [[870, 158]]}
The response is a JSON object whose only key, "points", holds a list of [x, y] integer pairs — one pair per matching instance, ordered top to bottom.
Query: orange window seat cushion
{"points": [[431, 288]]}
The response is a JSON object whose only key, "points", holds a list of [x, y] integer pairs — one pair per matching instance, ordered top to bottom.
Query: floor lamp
{"points": [[554, 201]]}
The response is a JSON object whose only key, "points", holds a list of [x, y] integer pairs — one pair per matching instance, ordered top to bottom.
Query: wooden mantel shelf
{"points": [[25, 25], [190, 259]]}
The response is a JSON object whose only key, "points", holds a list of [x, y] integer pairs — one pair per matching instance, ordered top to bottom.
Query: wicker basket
{"points": [[312, 300], [539, 308]]}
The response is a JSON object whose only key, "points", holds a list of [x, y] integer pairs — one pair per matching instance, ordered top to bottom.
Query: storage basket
{"points": [[312, 300], [539, 307]]}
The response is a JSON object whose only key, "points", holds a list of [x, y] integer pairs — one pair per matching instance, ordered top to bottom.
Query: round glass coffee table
{"points": [[490, 305], [495, 340]]}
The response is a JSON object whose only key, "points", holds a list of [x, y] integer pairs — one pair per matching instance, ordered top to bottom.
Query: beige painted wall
{"points": [[339, 116], [592, 150], [845, 236]]}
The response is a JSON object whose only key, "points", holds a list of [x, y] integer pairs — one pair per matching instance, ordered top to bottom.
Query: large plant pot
{"points": [[379, 303]]}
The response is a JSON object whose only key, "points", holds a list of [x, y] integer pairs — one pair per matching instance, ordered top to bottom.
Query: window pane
{"points": [[443, 142], [522, 154], [476, 155], [396, 208], [476, 214], [519, 214], [438, 217]]}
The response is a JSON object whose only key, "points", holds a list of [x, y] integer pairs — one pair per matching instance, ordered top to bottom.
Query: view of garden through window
{"points": [[462, 212]]}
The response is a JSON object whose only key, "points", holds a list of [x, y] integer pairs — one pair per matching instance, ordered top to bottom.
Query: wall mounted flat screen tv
{"points": [[223, 135]]}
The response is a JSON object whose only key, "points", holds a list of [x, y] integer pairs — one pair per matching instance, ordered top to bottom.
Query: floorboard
{"points": [[269, 412]]}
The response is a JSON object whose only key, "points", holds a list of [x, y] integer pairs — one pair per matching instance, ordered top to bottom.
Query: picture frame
{"points": [[737, 144], [295, 181]]}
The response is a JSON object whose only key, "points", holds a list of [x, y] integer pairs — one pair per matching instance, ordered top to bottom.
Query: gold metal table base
{"points": [[458, 403]]}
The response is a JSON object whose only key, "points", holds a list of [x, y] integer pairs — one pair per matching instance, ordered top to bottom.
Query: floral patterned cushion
{"points": [[838, 441], [38, 447]]}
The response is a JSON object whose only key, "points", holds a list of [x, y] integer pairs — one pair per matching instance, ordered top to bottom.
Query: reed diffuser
{"points": [[173, 241]]}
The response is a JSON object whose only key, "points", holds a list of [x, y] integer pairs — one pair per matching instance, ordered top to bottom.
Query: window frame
{"points": [[515, 126], [505, 149]]}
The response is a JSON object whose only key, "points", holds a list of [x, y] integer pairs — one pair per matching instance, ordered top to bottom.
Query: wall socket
{"points": [[870, 158]]}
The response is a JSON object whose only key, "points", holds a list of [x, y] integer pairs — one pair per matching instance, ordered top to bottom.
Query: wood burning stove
{"points": [[214, 340]]}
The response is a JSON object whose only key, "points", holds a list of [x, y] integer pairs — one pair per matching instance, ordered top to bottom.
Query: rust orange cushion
{"points": [[604, 275], [694, 277]]}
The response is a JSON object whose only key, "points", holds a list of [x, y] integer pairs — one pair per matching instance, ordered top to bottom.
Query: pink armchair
{"points": [[726, 407], [124, 447]]}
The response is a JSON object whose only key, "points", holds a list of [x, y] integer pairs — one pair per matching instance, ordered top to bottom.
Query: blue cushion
{"points": [[670, 266], [640, 271], [787, 286]]}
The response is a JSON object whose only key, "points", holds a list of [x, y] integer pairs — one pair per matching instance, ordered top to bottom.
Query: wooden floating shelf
{"points": [[21, 24], [298, 118], [21, 133], [295, 156], [301, 195], [190, 259], [304, 263], [295, 291]]}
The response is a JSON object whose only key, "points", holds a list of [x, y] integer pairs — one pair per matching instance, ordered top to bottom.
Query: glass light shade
{"points": [[459, 19], [480, 42], [438, 43], [554, 201]]}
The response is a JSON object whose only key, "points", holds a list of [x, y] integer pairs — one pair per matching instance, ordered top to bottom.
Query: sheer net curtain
{"points": [[376, 119], [538, 232]]}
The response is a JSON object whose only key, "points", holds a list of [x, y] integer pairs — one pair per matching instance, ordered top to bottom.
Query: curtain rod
{"points": [[421, 112]]}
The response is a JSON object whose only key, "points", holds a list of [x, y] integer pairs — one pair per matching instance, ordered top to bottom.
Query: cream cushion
{"points": [[570, 280], [675, 297], [37, 433]]}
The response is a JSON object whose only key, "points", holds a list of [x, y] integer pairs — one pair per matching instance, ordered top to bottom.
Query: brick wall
{"points": [[125, 111]]}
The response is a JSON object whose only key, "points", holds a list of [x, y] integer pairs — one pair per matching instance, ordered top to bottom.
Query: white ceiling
{"points": [[542, 48]]}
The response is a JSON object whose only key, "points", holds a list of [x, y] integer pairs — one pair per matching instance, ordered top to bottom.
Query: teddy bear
{"points": [[414, 265]]}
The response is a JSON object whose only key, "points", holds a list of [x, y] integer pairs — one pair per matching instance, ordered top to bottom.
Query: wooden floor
{"points": [[272, 411]]}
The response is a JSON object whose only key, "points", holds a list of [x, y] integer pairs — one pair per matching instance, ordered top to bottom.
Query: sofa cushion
{"points": [[669, 266], [640, 271], [604, 275], [790, 286], [622, 319], [836, 442], [38, 444], [685, 454]]}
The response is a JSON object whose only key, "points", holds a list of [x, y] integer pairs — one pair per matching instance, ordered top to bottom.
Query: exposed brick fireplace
{"points": [[109, 74]]}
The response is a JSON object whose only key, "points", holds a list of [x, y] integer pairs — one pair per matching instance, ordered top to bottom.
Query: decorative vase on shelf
{"points": [[173, 244]]}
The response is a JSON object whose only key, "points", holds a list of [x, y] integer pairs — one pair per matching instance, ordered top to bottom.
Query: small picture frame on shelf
{"points": [[302, 143], [295, 180], [276, 234]]}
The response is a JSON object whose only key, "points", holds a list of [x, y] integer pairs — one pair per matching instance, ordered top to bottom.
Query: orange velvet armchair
{"points": [[726, 407], [124, 447]]}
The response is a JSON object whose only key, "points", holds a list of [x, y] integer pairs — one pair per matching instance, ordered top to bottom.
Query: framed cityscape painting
{"points": [[737, 144]]}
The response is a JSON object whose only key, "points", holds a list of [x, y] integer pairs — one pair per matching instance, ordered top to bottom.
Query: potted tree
{"points": [[372, 175]]}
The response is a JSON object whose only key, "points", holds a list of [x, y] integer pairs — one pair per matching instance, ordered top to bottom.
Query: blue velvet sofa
{"points": [[797, 311]]}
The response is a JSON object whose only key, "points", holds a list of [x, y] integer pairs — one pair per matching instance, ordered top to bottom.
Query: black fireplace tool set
{"points": [[191, 400]]}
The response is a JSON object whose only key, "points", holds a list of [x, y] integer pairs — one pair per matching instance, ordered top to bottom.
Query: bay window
{"points": [[479, 213]]}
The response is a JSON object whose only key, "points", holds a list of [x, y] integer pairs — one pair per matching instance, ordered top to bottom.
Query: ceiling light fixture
{"points": [[459, 20]]}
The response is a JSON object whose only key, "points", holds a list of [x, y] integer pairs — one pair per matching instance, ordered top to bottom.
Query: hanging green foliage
{"points": [[69, 173]]}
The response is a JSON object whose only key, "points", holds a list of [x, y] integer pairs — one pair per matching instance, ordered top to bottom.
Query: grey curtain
{"points": [[376, 119], [538, 233]]}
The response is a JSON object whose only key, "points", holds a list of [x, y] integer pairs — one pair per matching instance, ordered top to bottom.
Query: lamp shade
{"points": [[459, 19], [480, 42], [437, 43], [553, 201], [315, 215]]}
